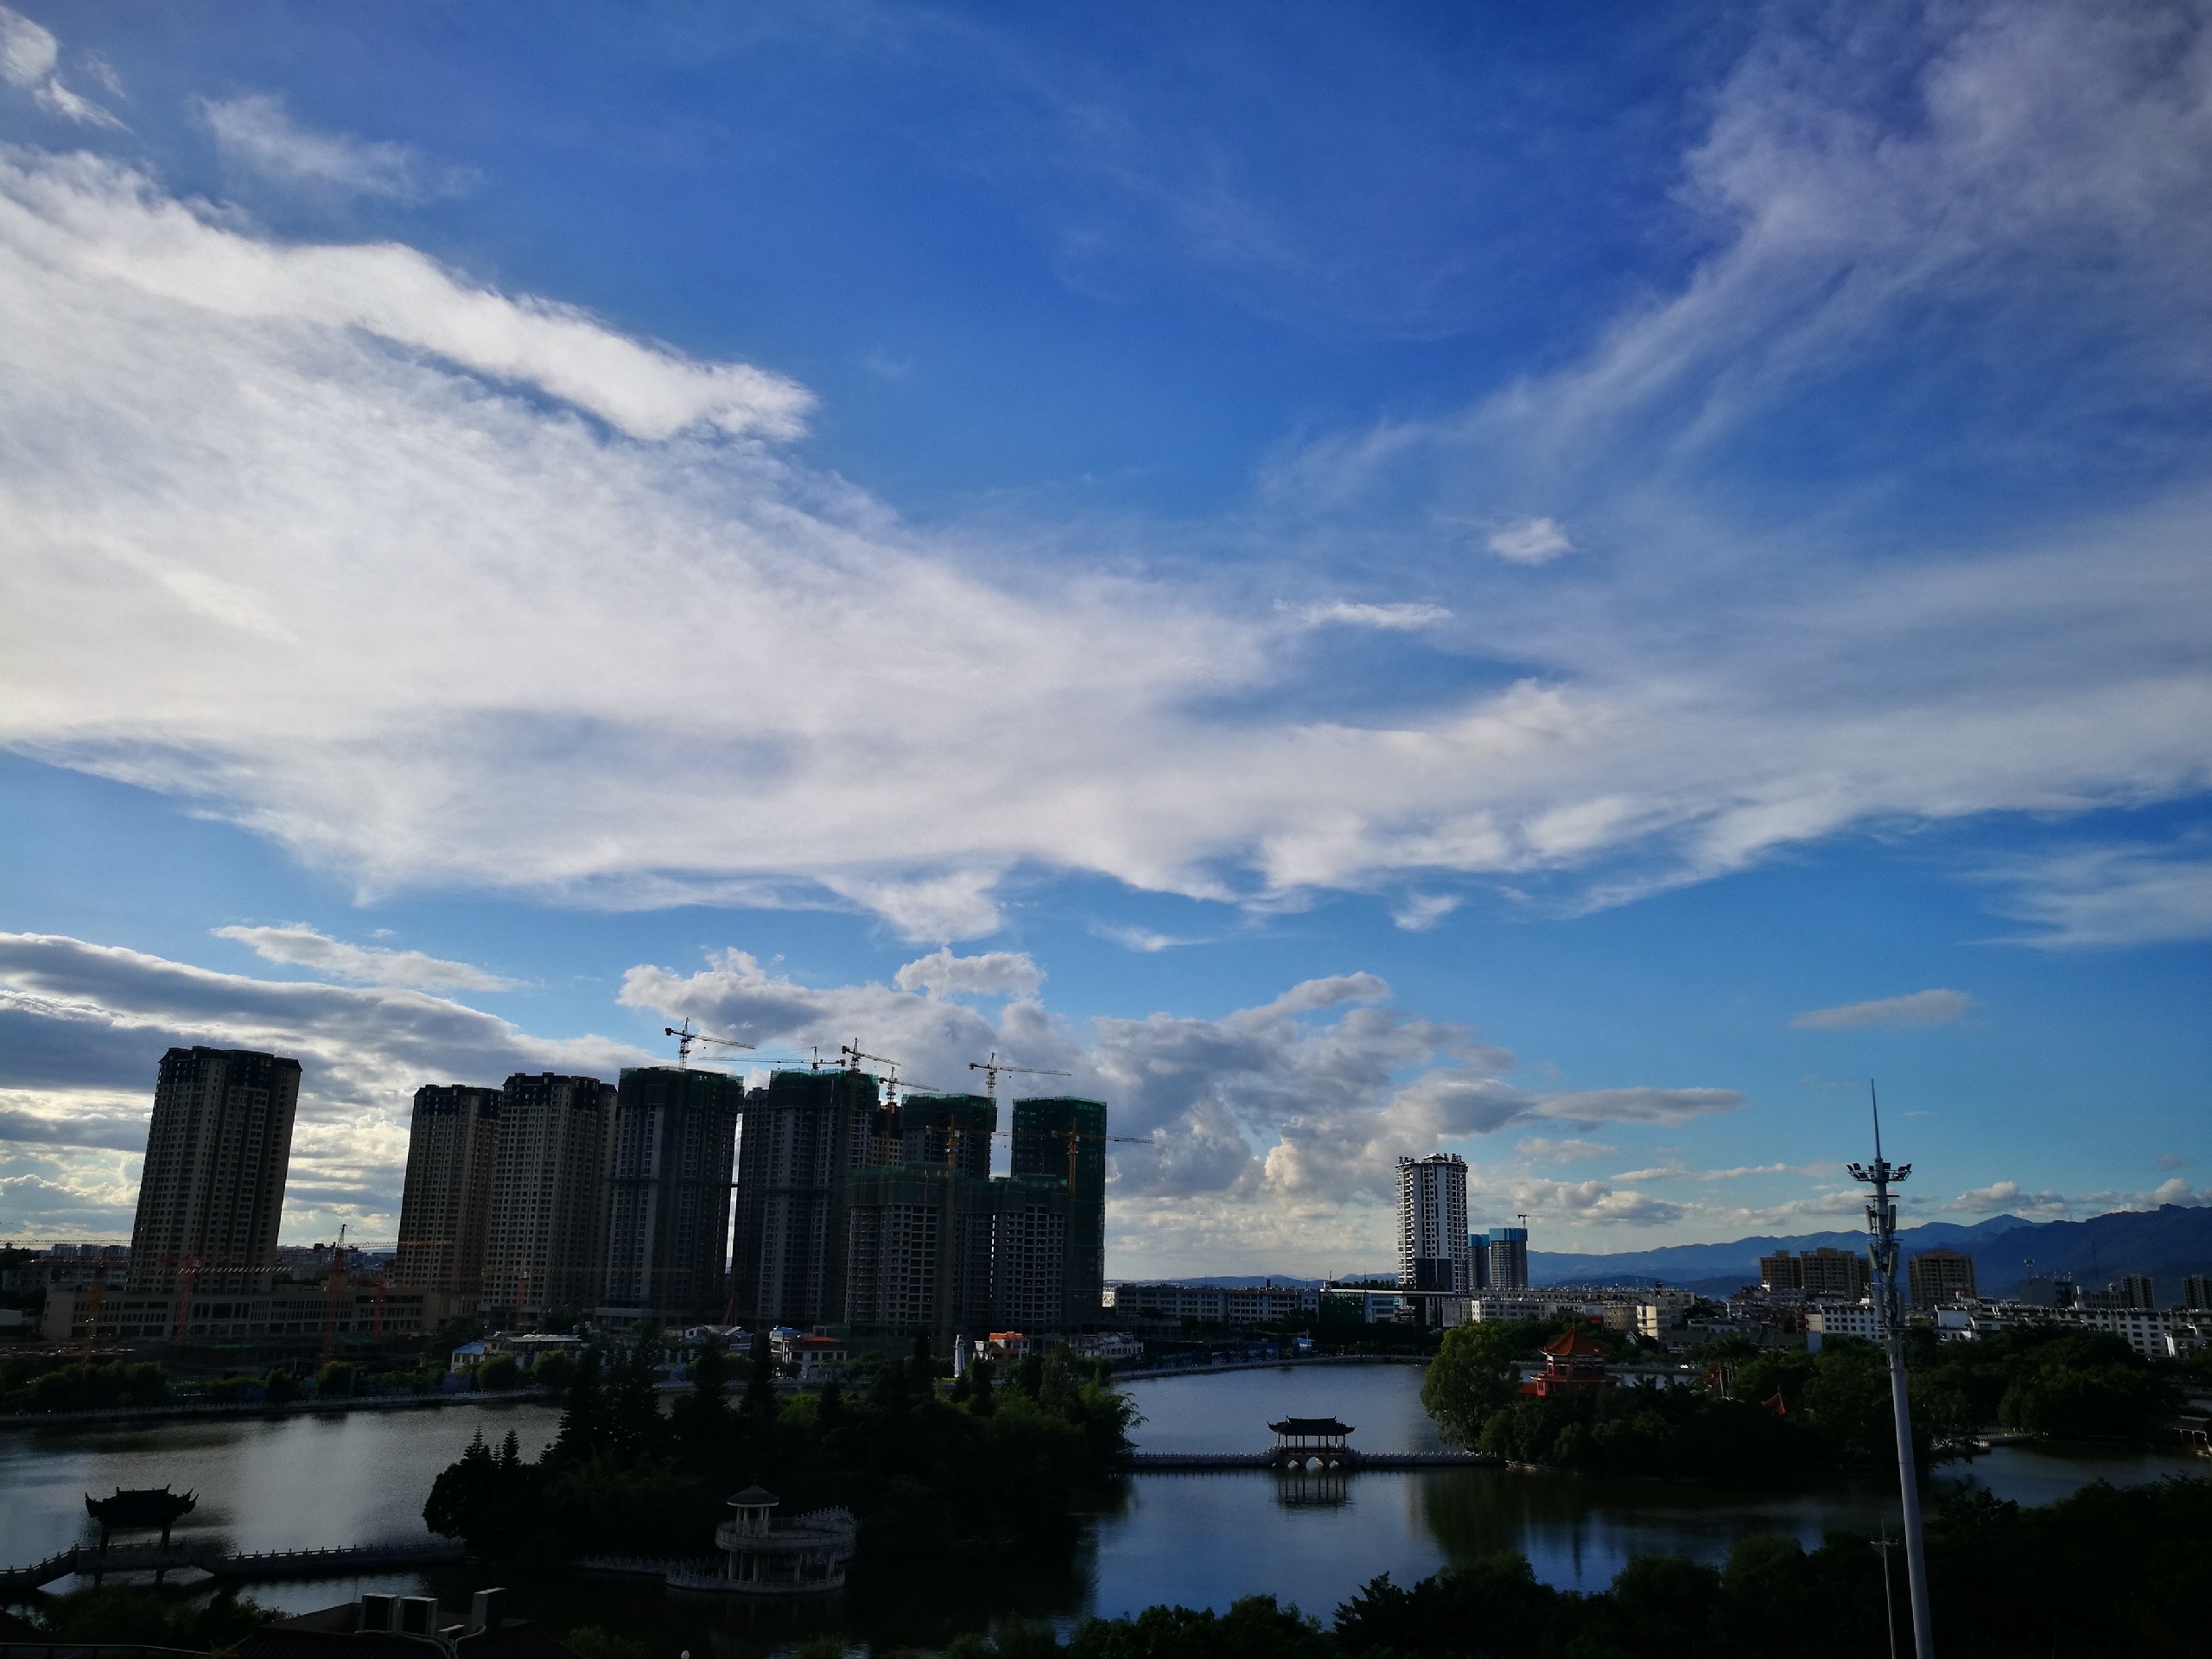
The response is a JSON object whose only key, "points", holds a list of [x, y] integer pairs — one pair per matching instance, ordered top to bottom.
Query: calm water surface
{"points": [[1201, 1540]]}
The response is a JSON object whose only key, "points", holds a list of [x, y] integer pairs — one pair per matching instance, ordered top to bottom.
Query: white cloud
{"points": [[28, 57], [258, 132], [368, 471], [1533, 541], [1397, 617], [2106, 896], [1419, 911], [1142, 939], [302, 946], [994, 972], [1909, 1012], [83, 1028], [1596, 1106], [1548, 1151], [2011, 1198]]}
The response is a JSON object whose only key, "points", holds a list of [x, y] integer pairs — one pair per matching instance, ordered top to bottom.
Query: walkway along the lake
{"points": [[17, 1581]]}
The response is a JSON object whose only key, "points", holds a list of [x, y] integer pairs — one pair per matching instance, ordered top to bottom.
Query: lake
{"points": [[1201, 1540]]}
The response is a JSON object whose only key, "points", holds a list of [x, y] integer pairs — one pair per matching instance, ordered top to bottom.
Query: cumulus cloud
{"points": [[28, 57], [259, 133], [1533, 541], [301, 946], [993, 973], [1911, 1013], [83, 1027], [1271, 1129], [2011, 1198]]}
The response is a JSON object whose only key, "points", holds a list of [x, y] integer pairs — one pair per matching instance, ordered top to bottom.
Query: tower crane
{"points": [[686, 1037], [852, 1055], [992, 1067]]}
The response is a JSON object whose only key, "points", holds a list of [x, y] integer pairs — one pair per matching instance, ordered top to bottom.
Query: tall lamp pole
{"points": [[1889, 1312]]}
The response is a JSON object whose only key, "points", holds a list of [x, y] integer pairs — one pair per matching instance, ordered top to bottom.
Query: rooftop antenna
{"points": [[1889, 1316]]}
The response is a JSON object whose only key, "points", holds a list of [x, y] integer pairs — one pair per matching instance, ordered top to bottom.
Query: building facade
{"points": [[801, 1138], [1058, 1140], [674, 1144], [217, 1151], [445, 1208], [883, 1221], [1433, 1225], [543, 1237], [1509, 1258], [1825, 1274], [1938, 1276], [1231, 1306]]}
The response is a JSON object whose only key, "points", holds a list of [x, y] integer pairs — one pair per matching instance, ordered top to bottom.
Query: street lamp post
{"points": [[1882, 1227]]}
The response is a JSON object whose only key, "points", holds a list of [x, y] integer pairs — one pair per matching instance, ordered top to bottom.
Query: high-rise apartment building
{"points": [[801, 1138], [1057, 1139], [674, 1146], [216, 1154], [445, 1208], [884, 1220], [919, 1222], [1432, 1223], [1030, 1232], [541, 1247], [1509, 1258], [1477, 1262], [1781, 1272], [1830, 1275], [1937, 1276], [2136, 1291], [2196, 1291]]}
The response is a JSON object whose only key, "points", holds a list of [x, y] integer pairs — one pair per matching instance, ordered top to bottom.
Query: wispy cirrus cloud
{"points": [[29, 59], [258, 131], [484, 489], [299, 945], [1913, 1012]]}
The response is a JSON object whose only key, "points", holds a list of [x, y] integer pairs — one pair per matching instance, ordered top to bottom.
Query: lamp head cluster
{"points": [[1878, 1171]]}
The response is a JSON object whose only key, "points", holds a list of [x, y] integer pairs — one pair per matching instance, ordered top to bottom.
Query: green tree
{"points": [[1475, 1376]]}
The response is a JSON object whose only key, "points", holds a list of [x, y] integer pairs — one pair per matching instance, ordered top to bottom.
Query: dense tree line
{"points": [[1763, 1414], [993, 1466], [2104, 1571]]}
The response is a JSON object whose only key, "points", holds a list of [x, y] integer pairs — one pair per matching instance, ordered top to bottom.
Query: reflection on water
{"points": [[1230, 1411], [279, 1482], [1312, 1489], [1203, 1540]]}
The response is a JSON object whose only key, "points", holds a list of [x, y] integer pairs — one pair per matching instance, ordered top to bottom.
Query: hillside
{"points": [[2166, 1243]]}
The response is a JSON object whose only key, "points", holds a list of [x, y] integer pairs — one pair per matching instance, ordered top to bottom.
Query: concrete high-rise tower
{"points": [[803, 1137], [1058, 1142], [213, 1192], [668, 1198], [445, 1210], [1433, 1225], [543, 1240], [1509, 1258]]}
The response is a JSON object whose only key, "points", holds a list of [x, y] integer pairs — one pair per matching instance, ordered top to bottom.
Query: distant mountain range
{"points": [[2166, 1244]]}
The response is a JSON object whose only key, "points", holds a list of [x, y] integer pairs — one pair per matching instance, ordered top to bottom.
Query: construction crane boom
{"points": [[686, 1037], [992, 1067]]}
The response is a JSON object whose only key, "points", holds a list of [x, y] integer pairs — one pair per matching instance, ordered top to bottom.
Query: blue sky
{"points": [[1566, 587]]}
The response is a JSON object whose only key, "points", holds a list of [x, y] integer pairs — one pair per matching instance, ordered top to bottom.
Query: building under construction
{"points": [[881, 1221]]}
